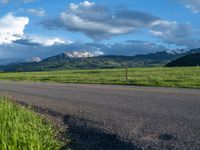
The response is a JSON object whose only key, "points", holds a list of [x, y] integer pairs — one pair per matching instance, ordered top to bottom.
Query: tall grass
{"points": [[166, 77], [21, 129]]}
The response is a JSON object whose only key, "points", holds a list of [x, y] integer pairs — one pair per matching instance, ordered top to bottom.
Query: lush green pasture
{"points": [[167, 77], [21, 129]]}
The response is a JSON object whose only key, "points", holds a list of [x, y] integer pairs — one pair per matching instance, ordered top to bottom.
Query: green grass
{"points": [[164, 77], [21, 129]]}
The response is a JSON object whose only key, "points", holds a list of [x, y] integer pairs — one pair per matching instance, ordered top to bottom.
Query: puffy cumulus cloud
{"points": [[194, 5], [38, 12], [99, 22], [12, 28], [174, 33], [36, 40]]}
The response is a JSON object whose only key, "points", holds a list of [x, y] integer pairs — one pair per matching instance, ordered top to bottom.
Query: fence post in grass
{"points": [[126, 73]]}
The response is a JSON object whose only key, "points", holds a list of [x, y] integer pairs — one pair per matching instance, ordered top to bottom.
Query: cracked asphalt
{"points": [[130, 117]]}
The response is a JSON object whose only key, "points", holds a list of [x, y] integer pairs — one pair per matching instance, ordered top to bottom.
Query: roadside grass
{"points": [[182, 77], [21, 129]]}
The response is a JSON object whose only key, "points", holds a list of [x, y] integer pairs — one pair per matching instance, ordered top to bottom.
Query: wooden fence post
{"points": [[126, 73]]}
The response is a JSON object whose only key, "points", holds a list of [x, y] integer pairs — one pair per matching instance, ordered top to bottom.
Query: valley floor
{"points": [[161, 77]]}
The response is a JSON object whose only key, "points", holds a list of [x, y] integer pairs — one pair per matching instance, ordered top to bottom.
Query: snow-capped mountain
{"points": [[177, 51], [79, 54], [33, 59]]}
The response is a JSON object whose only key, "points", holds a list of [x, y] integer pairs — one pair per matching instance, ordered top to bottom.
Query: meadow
{"points": [[182, 77], [23, 129]]}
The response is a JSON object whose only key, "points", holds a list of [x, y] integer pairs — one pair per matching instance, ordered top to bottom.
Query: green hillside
{"points": [[186, 61]]}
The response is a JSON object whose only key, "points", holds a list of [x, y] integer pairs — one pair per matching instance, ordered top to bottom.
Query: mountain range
{"points": [[86, 60]]}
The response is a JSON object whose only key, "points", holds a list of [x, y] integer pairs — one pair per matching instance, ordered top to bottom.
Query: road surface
{"points": [[118, 117]]}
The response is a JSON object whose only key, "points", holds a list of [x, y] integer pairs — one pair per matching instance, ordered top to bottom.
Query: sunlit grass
{"points": [[165, 77], [21, 129]]}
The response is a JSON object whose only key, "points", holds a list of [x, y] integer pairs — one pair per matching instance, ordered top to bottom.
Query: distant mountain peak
{"points": [[177, 51], [79, 54]]}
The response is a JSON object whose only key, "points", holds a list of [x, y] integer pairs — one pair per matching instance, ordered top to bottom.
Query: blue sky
{"points": [[43, 28]]}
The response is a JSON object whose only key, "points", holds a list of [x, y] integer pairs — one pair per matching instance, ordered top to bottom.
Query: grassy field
{"points": [[164, 77], [22, 129]]}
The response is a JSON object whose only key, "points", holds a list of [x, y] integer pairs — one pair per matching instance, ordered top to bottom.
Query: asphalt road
{"points": [[119, 117]]}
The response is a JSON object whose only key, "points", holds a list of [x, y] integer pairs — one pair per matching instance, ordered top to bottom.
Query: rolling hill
{"points": [[188, 60]]}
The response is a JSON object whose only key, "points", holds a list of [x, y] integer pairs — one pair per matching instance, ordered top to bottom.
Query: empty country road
{"points": [[106, 117]]}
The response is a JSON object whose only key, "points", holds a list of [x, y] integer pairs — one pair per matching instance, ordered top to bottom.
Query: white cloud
{"points": [[87, 4], [193, 5], [38, 12], [73, 21], [99, 23], [12, 28], [174, 33], [42, 41], [52, 41]]}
